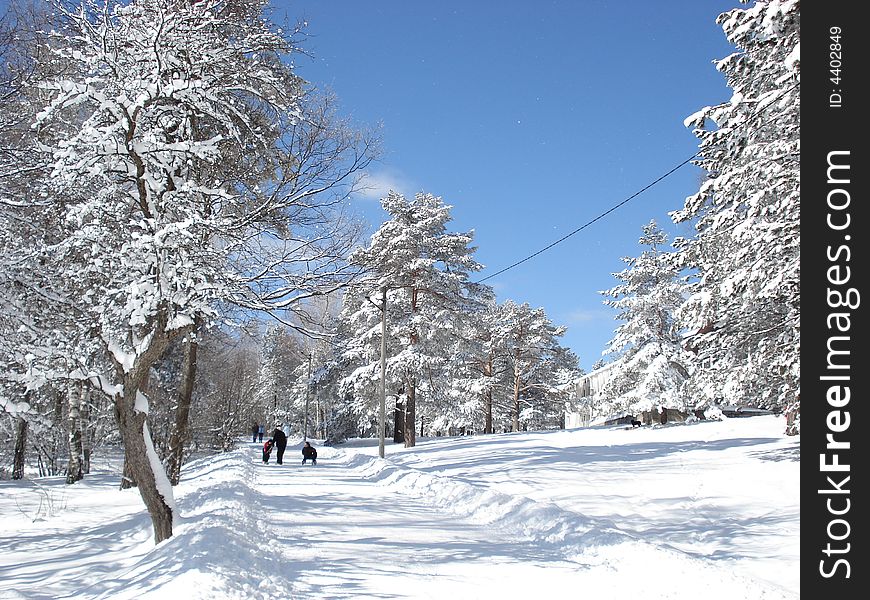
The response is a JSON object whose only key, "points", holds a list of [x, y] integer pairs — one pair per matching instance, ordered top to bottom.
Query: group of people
{"points": [[278, 441]]}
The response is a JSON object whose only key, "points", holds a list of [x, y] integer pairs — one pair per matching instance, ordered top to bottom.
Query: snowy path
{"points": [[351, 537]]}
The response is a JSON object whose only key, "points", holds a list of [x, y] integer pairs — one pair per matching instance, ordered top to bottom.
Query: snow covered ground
{"points": [[705, 510]]}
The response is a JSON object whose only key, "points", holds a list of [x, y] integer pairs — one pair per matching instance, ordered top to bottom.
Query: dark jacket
{"points": [[279, 437], [309, 452]]}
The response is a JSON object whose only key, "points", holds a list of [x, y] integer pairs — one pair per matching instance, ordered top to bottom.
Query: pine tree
{"points": [[426, 270], [744, 308], [651, 364], [540, 368], [480, 370]]}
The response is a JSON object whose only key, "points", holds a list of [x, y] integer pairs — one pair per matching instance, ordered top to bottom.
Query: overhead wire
{"points": [[749, 121], [588, 223]]}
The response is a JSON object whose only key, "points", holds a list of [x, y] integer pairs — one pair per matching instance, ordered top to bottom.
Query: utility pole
{"points": [[383, 408], [383, 415]]}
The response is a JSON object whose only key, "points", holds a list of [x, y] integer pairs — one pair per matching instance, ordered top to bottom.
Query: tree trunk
{"points": [[411, 401], [131, 409], [410, 415], [399, 421], [318, 422], [515, 426], [487, 428], [87, 430], [181, 431], [20, 447], [141, 458], [74, 470], [128, 479]]}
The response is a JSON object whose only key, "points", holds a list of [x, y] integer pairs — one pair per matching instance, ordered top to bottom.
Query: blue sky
{"points": [[530, 119]]}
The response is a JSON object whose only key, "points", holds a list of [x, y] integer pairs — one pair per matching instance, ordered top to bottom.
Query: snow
{"points": [[794, 58], [161, 479], [708, 509]]}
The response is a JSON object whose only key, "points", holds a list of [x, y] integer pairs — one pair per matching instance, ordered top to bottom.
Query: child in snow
{"points": [[267, 450], [309, 452]]}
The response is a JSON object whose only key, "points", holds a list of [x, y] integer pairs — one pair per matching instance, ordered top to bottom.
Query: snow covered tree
{"points": [[191, 171], [426, 270], [744, 307], [22, 338], [652, 364], [357, 365], [539, 365], [480, 368], [272, 381], [223, 402]]}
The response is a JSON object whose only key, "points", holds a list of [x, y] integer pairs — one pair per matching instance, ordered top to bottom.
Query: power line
{"points": [[746, 123], [587, 224]]}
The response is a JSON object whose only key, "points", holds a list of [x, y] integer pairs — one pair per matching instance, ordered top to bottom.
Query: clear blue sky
{"points": [[530, 119]]}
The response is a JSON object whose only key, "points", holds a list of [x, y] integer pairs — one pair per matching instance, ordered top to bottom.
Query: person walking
{"points": [[254, 430], [260, 431], [280, 439], [309, 452]]}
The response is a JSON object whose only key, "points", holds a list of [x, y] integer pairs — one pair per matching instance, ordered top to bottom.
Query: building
{"points": [[586, 397], [586, 401]]}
